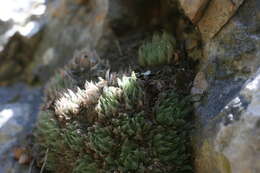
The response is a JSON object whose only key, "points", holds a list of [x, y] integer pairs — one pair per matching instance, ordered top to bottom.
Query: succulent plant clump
{"points": [[160, 50], [94, 125], [108, 127]]}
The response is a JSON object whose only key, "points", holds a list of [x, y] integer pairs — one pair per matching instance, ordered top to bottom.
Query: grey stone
{"points": [[70, 27], [230, 58], [19, 105], [235, 132], [227, 138]]}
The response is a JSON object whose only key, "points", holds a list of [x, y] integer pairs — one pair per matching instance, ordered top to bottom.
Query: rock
{"points": [[82, 1], [193, 8], [210, 16], [216, 16], [24, 18], [68, 22], [5, 26], [21, 28], [191, 43], [16, 56], [230, 59], [200, 84], [19, 105], [10, 115], [227, 116], [234, 144], [18, 151], [24, 159]]}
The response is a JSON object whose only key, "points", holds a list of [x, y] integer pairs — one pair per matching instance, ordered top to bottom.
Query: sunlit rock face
{"points": [[18, 11], [20, 16], [21, 24], [71, 26], [230, 58], [19, 105], [227, 116], [9, 123], [235, 134], [238, 137]]}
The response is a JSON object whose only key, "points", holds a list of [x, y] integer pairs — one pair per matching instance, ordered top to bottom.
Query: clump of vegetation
{"points": [[160, 50], [116, 124], [107, 127]]}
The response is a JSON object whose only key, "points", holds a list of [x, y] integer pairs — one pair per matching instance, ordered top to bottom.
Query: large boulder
{"points": [[230, 58], [227, 133], [238, 134], [230, 141]]}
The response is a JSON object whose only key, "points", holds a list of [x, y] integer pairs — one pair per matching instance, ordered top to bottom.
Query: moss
{"points": [[158, 51]]}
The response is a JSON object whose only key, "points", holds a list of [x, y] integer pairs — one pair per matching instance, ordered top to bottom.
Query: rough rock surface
{"points": [[194, 8], [217, 14], [20, 16], [210, 16], [71, 26], [4, 27], [21, 27], [16, 56], [231, 57], [19, 105], [238, 136], [234, 143]]}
